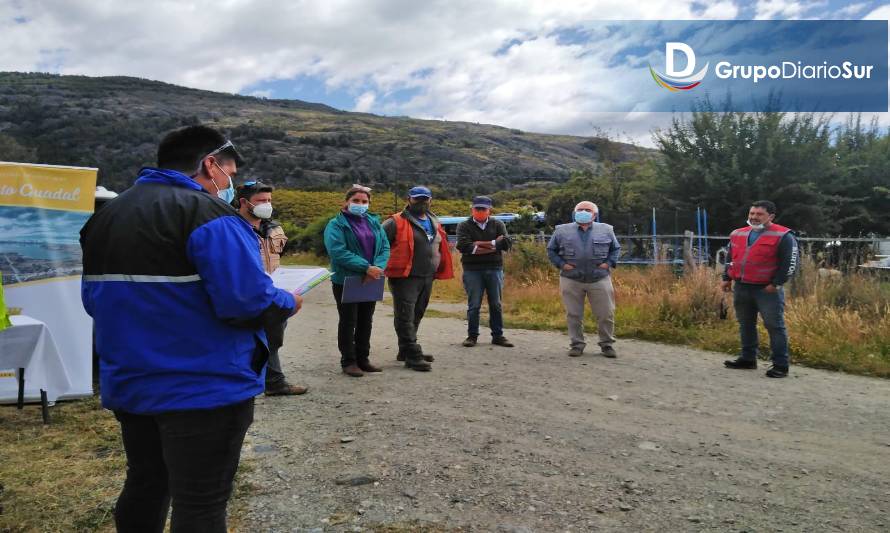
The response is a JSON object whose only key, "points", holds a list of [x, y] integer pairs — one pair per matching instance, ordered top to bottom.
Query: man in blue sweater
{"points": [[176, 288]]}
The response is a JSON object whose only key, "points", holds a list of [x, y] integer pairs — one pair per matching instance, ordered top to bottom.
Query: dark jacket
{"points": [[469, 232], [173, 280]]}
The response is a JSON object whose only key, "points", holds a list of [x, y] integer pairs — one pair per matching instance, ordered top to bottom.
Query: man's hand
{"points": [[500, 237], [482, 244], [604, 266], [568, 267], [374, 272], [726, 285], [770, 288], [298, 300]]}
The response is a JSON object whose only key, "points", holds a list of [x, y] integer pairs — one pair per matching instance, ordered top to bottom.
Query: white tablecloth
{"points": [[28, 344]]}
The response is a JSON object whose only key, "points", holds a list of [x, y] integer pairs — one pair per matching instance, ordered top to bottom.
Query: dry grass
{"points": [[839, 324], [62, 477]]}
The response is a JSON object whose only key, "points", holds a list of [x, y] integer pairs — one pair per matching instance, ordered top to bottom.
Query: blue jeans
{"points": [[476, 282], [748, 300]]}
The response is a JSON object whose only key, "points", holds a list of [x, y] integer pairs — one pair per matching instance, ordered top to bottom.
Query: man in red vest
{"points": [[418, 254], [763, 256]]}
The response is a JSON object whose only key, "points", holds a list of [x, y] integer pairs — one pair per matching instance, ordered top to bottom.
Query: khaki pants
{"points": [[602, 303]]}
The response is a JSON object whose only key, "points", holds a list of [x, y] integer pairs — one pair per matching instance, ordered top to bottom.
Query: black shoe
{"points": [[470, 341], [502, 341], [576, 352], [609, 352], [400, 357], [429, 358], [418, 364], [746, 364], [777, 372]]}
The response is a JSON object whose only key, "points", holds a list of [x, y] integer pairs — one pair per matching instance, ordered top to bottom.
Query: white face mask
{"points": [[263, 211], [756, 227]]}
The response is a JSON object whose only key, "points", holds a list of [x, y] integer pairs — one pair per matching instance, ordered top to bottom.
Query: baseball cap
{"points": [[417, 192], [482, 201]]}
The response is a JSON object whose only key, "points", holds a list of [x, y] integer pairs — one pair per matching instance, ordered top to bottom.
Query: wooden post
{"points": [[688, 260]]}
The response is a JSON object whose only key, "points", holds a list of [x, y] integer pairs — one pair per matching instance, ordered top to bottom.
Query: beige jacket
{"points": [[271, 247]]}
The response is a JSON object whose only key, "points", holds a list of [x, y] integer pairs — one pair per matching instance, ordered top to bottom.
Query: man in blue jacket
{"points": [[179, 299]]}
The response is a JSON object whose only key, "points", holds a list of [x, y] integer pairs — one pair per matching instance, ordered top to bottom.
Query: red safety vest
{"points": [[401, 253], [757, 263]]}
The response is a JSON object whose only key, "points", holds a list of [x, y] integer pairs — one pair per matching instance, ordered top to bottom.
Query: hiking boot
{"points": [[470, 341], [502, 341], [576, 352], [609, 352], [428, 358], [418, 364], [746, 364], [366, 366], [353, 370], [777, 372], [285, 389]]}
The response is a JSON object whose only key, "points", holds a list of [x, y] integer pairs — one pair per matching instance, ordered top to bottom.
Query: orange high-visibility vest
{"points": [[401, 252], [759, 262]]}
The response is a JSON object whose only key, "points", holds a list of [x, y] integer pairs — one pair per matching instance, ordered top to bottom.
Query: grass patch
{"points": [[838, 324], [66, 476], [62, 477]]}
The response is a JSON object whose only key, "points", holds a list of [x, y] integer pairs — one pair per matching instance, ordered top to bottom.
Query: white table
{"points": [[28, 347]]}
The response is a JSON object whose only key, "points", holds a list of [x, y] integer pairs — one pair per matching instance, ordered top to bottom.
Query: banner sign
{"points": [[42, 209]]}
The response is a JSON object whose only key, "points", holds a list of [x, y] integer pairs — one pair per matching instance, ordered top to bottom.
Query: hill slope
{"points": [[114, 123]]}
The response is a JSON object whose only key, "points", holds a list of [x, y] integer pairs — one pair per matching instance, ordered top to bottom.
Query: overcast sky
{"points": [[521, 64]]}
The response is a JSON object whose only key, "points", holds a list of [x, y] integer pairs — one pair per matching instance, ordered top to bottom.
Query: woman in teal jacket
{"points": [[357, 246]]}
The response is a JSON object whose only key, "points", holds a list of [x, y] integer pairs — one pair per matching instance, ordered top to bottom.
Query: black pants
{"points": [[410, 296], [354, 329], [275, 337], [189, 457]]}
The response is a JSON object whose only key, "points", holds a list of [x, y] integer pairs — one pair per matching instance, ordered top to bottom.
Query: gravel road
{"points": [[527, 439]]}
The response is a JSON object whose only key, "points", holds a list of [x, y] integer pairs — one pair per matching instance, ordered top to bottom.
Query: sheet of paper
{"points": [[293, 278]]}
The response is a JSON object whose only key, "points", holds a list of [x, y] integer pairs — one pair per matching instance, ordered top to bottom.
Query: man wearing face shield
{"points": [[254, 201], [585, 252], [419, 253], [763, 256], [174, 283]]}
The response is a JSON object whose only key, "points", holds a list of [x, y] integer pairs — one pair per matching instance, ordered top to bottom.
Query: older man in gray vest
{"points": [[585, 251]]}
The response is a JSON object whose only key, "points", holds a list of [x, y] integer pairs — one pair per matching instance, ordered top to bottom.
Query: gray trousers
{"points": [[410, 296], [602, 302]]}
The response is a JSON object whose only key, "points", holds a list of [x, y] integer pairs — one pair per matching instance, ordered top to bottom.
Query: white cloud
{"points": [[443, 51], [365, 102]]}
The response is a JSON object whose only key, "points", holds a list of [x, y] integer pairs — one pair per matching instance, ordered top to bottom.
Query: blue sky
{"points": [[535, 65]]}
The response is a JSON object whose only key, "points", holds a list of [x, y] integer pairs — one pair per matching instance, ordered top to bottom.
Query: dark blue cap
{"points": [[417, 192], [482, 201]]}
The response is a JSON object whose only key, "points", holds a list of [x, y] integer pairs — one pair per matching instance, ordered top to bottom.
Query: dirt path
{"points": [[527, 439]]}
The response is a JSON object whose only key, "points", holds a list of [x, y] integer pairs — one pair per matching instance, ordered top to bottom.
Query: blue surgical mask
{"points": [[227, 194], [358, 209], [583, 217]]}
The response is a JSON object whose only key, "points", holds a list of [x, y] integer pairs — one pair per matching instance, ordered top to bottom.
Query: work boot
{"points": [[470, 341], [501, 341], [609, 351], [576, 352], [428, 358], [418, 364], [745, 364], [366, 366], [353, 370], [777, 372], [285, 389]]}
